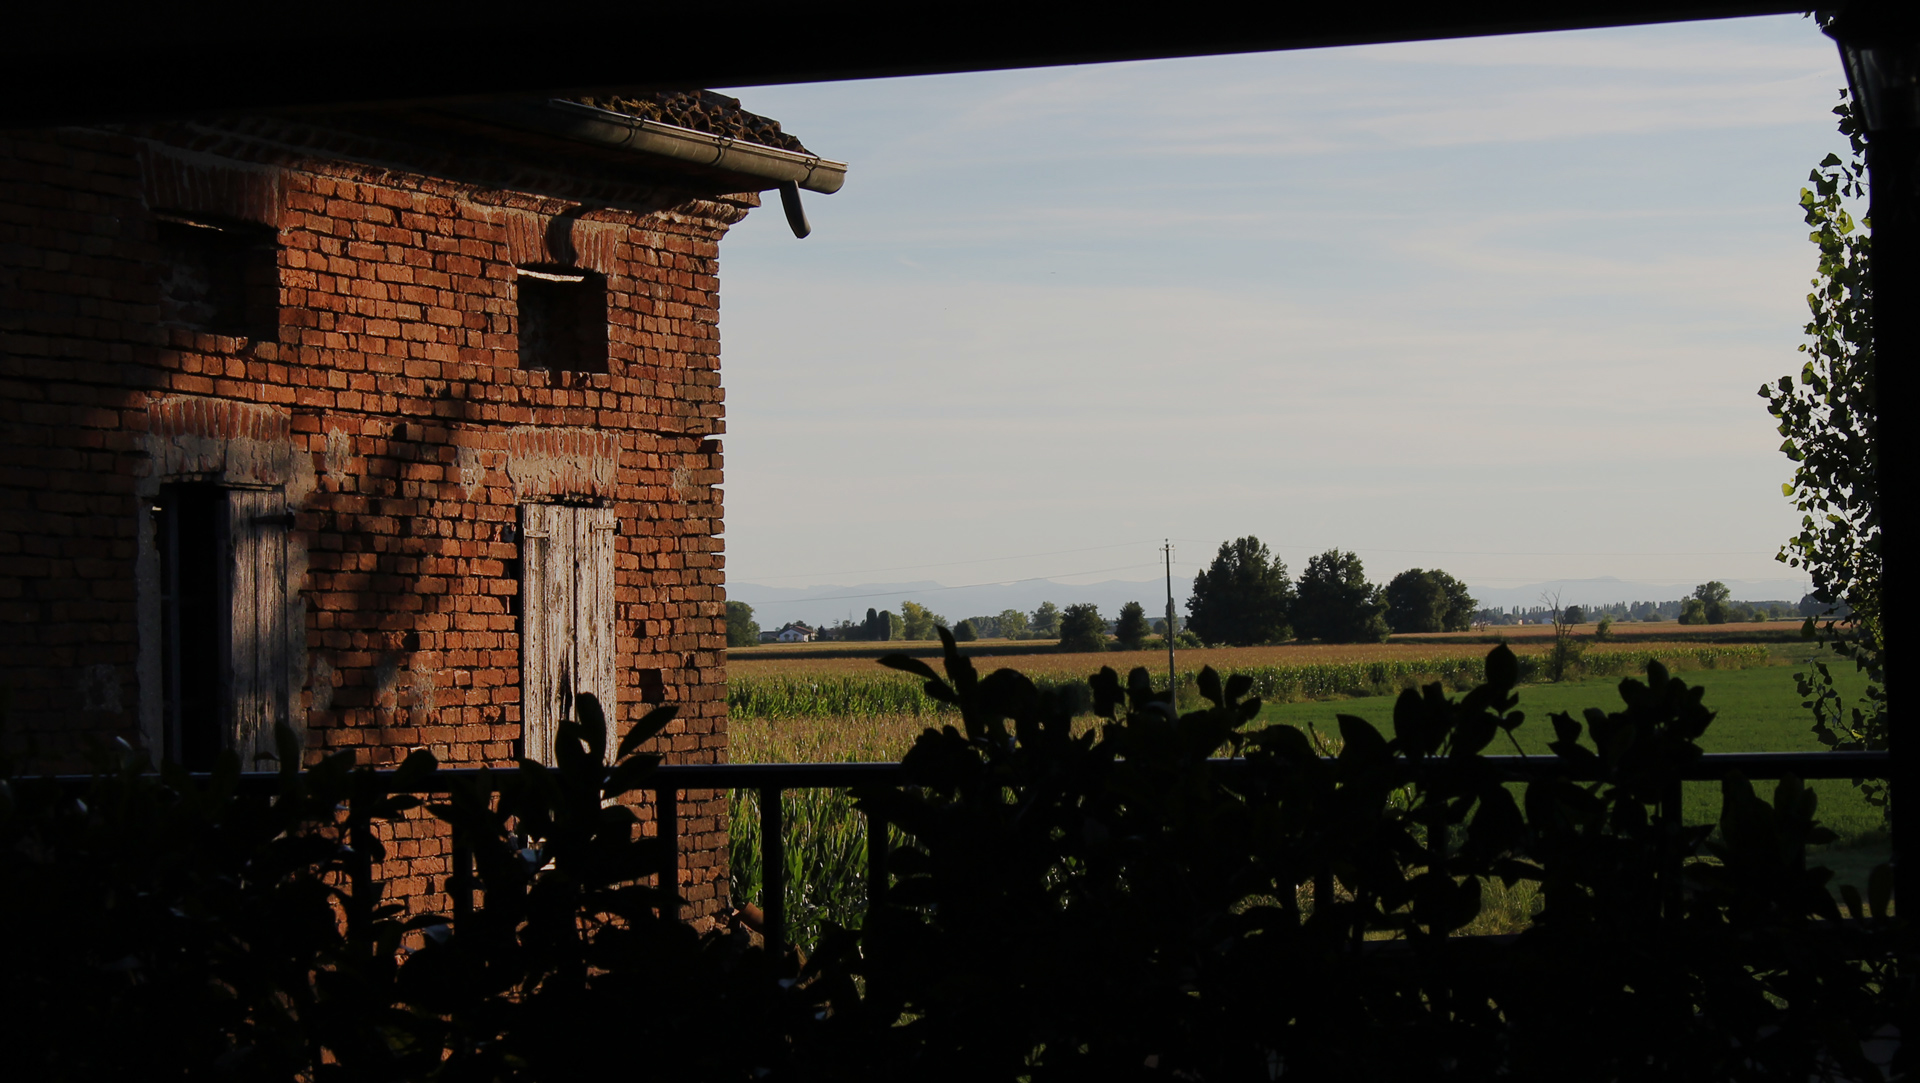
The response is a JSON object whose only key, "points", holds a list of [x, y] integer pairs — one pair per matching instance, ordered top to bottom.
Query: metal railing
{"points": [[770, 780]]}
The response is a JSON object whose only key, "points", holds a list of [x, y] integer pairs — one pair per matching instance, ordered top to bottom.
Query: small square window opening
{"points": [[222, 278], [563, 320], [652, 685]]}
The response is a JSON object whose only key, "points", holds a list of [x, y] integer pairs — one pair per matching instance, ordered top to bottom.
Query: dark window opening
{"points": [[219, 277], [563, 320], [192, 526], [653, 687]]}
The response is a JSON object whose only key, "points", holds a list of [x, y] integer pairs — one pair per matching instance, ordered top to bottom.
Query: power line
{"points": [[1286, 545], [1534, 553], [957, 563], [963, 586]]}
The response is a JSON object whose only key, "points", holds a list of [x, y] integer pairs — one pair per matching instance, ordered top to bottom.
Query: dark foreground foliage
{"points": [[1104, 907], [1111, 907], [166, 930]]}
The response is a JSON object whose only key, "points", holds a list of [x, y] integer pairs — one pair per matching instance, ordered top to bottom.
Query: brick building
{"points": [[400, 425]]}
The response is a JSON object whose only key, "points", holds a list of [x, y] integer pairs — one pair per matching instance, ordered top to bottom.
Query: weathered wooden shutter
{"points": [[566, 622], [256, 648], [594, 648]]}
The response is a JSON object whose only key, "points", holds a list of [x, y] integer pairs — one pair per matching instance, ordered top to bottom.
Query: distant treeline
{"points": [[1246, 597], [1693, 609]]}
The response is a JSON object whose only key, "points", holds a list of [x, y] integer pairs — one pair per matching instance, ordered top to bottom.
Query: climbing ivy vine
{"points": [[1828, 418]]}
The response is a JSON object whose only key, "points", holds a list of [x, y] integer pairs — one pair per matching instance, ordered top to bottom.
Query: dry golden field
{"points": [[1638, 631], [879, 739]]}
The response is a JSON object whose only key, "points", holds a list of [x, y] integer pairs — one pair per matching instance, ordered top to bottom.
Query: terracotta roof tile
{"points": [[702, 111]]}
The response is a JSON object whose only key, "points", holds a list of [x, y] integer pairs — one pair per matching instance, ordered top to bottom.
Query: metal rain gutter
{"points": [[591, 124]]}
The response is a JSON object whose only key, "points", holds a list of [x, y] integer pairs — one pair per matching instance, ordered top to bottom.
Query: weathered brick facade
{"points": [[388, 404]]}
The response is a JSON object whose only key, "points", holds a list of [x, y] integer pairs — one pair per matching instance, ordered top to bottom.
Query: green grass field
{"points": [[1757, 710]]}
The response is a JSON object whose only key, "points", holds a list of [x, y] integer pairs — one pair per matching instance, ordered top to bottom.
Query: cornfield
{"points": [[779, 697], [843, 717], [825, 841]]}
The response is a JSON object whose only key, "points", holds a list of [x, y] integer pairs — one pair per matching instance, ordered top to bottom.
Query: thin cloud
{"points": [[1513, 293]]}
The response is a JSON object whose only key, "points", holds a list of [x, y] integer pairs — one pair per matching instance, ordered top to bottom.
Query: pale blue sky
{"points": [[1499, 306]]}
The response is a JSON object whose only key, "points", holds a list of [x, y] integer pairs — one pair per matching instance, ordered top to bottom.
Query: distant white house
{"points": [[796, 632]]}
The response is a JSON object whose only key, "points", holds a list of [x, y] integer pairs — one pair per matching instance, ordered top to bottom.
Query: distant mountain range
{"points": [[818, 605], [774, 606]]}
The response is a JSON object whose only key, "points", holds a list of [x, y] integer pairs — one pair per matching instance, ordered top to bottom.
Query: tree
{"points": [[1828, 421], [1243, 597], [1713, 597], [1429, 601], [1337, 604], [1461, 605], [1693, 611], [1576, 615], [919, 620], [1046, 621], [1012, 624], [883, 627], [1082, 628], [741, 629], [1132, 630], [964, 633], [1563, 661]]}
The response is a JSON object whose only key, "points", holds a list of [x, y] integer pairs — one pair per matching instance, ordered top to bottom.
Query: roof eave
{"points": [[763, 167]]}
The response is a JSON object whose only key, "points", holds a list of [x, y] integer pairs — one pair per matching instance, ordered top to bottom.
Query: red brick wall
{"points": [[411, 434]]}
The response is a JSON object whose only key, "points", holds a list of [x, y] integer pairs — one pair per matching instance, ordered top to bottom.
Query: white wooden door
{"points": [[566, 619], [256, 650]]}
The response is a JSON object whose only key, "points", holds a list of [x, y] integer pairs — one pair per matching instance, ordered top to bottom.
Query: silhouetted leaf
{"points": [[909, 665], [1503, 668], [1209, 684], [1238, 685], [593, 725], [646, 729], [1880, 889]]}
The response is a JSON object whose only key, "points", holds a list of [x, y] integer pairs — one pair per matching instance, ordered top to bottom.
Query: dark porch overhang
{"points": [[92, 61]]}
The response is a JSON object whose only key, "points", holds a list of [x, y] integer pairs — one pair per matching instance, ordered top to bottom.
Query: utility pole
{"points": [[1173, 694]]}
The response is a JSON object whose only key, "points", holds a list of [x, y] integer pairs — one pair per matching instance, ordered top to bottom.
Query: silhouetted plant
{"points": [[1829, 418], [1105, 906], [1114, 906], [162, 928], [168, 928]]}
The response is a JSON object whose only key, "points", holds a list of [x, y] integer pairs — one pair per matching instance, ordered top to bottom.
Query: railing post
{"points": [[666, 820], [877, 850], [773, 870], [1670, 872], [460, 880]]}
